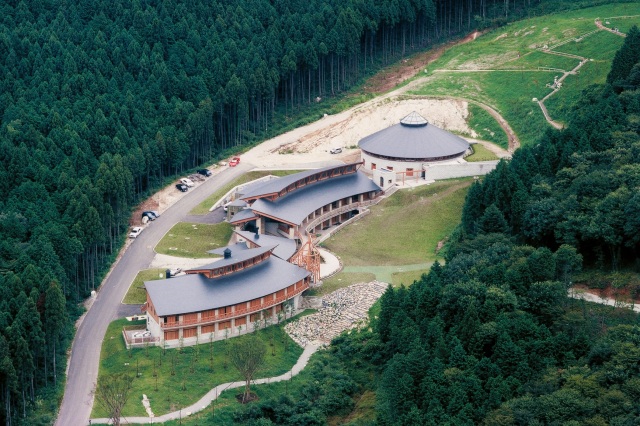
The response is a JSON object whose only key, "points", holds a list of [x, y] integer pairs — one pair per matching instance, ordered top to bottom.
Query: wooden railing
{"points": [[335, 212], [235, 314]]}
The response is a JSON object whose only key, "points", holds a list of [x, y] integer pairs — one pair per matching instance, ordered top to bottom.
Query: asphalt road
{"points": [[75, 409]]}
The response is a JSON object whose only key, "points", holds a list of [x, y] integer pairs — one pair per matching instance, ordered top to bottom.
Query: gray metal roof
{"points": [[414, 138], [277, 185], [238, 203], [297, 205], [243, 215], [232, 247], [285, 247], [236, 257], [195, 293]]}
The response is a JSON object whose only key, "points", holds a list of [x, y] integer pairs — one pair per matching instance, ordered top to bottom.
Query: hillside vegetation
{"points": [[510, 66]]}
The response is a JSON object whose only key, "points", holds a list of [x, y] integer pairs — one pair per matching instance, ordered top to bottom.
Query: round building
{"points": [[406, 147]]}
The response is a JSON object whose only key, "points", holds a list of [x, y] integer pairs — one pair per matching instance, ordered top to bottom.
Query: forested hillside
{"points": [[102, 102], [580, 186], [491, 337]]}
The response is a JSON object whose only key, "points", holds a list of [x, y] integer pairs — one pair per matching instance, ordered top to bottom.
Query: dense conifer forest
{"points": [[102, 102], [491, 337]]}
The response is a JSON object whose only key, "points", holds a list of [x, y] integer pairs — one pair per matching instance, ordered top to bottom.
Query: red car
{"points": [[234, 161]]}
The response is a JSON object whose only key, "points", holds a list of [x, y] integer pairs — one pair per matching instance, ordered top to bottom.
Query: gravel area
{"points": [[341, 310]]}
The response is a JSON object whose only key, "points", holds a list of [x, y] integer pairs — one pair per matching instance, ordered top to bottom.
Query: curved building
{"points": [[406, 146], [247, 285]]}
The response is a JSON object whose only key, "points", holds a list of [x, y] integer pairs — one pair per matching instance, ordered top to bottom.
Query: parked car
{"points": [[336, 150], [234, 161], [204, 172], [187, 181], [182, 187], [151, 214], [135, 231], [139, 334]]}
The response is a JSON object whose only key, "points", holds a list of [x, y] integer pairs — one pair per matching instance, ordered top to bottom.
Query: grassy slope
{"points": [[513, 47], [486, 127], [480, 153], [407, 226], [194, 240], [136, 293], [185, 387]]}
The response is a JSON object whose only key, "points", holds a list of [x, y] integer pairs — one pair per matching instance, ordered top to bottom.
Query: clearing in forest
{"points": [[551, 58]]}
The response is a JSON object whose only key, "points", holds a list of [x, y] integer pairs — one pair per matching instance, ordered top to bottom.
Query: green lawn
{"points": [[622, 23], [601, 46], [537, 59], [561, 104], [486, 127], [480, 153], [203, 207], [403, 229], [194, 240], [341, 280], [136, 293], [194, 372]]}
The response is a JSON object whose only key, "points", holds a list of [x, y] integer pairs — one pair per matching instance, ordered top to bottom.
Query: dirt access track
{"points": [[309, 146]]}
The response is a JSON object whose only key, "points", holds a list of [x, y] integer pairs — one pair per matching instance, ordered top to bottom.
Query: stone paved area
{"points": [[341, 310]]}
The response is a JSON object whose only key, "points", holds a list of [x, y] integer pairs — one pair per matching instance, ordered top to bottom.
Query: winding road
{"points": [[82, 370]]}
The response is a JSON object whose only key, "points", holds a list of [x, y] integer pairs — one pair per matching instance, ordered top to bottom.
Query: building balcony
{"points": [[236, 314]]}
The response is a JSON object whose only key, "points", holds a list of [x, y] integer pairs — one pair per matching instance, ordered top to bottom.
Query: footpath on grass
{"points": [[213, 394]]}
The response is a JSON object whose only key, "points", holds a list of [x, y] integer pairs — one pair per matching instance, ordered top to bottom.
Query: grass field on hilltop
{"points": [[465, 71], [204, 206], [403, 229], [193, 240], [194, 371]]}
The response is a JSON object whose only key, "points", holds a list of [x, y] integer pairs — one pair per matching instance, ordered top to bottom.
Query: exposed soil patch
{"points": [[397, 74], [622, 294]]}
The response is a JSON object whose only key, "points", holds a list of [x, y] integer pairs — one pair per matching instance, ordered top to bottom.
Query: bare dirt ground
{"points": [[408, 68]]}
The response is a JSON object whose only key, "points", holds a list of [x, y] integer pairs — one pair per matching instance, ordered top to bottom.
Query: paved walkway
{"points": [[331, 263], [385, 273], [581, 294], [213, 394]]}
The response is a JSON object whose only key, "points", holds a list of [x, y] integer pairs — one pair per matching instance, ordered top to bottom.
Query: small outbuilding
{"points": [[410, 146]]}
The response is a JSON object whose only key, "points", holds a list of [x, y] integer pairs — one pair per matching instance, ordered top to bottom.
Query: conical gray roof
{"points": [[414, 119], [414, 139]]}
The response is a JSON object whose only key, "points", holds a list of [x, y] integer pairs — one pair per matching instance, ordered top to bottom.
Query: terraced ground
{"points": [[509, 67]]}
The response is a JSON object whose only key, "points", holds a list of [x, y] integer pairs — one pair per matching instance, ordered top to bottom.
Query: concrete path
{"points": [[331, 263], [385, 273], [581, 294], [213, 394]]}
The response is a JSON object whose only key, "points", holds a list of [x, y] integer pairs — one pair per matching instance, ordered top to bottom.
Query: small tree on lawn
{"points": [[247, 356], [112, 394]]}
